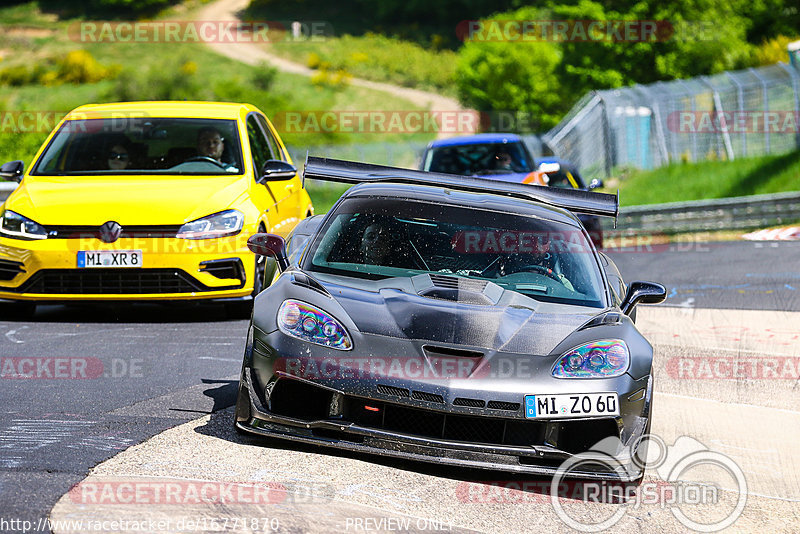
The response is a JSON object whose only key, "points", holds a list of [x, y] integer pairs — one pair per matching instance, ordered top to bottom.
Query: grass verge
{"points": [[712, 179]]}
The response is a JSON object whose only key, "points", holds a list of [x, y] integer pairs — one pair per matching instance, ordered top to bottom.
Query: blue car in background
{"points": [[505, 157]]}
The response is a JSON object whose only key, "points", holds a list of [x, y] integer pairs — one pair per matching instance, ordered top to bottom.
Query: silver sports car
{"points": [[448, 319]]}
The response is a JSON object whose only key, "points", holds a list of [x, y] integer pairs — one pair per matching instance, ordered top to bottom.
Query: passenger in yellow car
{"points": [[118, 158]]}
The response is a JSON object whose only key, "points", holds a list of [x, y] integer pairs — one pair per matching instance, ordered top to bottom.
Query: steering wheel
{"points": [[206, 159], [539, 268]]}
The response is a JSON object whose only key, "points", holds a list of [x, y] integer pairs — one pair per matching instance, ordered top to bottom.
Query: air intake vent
{"points": [[9, 269], [302, 279], [455, 282], [458, 289], [433, 350], [391, 390], [429, 397], [472, 403], [508, 406]]}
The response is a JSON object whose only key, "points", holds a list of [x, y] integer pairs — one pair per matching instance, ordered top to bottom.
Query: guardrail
{"points": [[6, 188], [736, 213]]}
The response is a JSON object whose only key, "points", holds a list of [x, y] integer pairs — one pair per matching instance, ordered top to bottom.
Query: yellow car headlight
{"points": [[222, 224], [17, 226]]}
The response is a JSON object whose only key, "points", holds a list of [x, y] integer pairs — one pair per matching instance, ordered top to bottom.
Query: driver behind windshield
{"points": [[211, 144]]}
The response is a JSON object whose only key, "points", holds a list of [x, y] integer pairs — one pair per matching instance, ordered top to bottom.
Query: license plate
{"points": [[110, 258], [579, 405]]}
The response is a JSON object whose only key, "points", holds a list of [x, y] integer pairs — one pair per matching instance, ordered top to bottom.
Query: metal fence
{"points": [[730, 115]]}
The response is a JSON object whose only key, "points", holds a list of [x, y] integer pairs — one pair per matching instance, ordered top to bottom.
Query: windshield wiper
{"points": [[424, 263]]}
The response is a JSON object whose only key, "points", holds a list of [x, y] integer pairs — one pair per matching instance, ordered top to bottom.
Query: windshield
{"points": [[143, 145], [479, 158], [381, 238]]}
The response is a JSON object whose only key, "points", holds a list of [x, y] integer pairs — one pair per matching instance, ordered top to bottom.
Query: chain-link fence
{"points": [[730, 115]]}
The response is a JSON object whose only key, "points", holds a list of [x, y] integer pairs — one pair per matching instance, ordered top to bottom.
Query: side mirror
{"points": [[549, 167], [12, 170], [277, 170], [595, 183], [270, 245], [642, 293]]}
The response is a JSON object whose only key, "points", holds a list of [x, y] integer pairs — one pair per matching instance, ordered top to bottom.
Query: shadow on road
{"points": [[120, 312], [488, 482]]}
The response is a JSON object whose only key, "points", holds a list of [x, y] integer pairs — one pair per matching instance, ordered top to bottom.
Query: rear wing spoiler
{"points": [[576, 200]]}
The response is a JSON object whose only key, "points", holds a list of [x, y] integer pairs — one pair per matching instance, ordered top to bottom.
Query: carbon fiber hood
{"points": [[514, 323]]}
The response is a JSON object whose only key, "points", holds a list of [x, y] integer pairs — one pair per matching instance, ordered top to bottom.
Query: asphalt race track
{"points": [[109, 379]]}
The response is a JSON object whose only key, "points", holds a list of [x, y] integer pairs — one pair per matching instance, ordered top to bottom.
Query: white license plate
{"points": [[110, 258], [577, 405]]}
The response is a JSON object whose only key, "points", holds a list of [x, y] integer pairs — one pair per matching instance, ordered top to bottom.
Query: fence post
{"points": [[793, 75], [740, 98], [765, 98], [659, 127], [726, 137], [608, 141]]}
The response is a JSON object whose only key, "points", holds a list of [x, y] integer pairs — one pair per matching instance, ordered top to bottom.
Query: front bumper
{"points": [[172, 269], [537, 458]]}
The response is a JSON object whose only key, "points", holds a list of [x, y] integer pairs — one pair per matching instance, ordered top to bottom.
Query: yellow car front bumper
{"points": [[171, 269]]}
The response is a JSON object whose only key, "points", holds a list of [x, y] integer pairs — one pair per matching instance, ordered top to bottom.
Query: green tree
{"points": [[507, 76]]}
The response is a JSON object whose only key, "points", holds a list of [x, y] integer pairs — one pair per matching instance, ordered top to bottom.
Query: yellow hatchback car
{"points": [[148, 201]]}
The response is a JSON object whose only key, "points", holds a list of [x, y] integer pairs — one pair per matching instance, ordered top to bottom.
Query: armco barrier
{"points": [[6, 188], [736, 213]]}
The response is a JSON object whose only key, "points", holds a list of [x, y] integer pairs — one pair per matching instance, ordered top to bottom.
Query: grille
{"points": [[88, 232], [9, 269], [113, 282], [391, 390], [425, 396], [310, 403], [472, 403], [500, 405]]}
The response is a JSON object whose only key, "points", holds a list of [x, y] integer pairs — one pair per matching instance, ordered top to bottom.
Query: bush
{"points": [[774, 50], [77, 66], [263, 77], [337, 79], [167, 80]]}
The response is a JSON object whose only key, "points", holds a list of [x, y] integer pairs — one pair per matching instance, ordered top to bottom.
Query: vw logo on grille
{"points": [[110, 232]]}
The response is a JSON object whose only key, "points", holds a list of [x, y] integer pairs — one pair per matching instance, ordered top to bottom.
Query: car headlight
{"points": [[222, 224], [15, 225], [309, 323], [599, 359]]}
